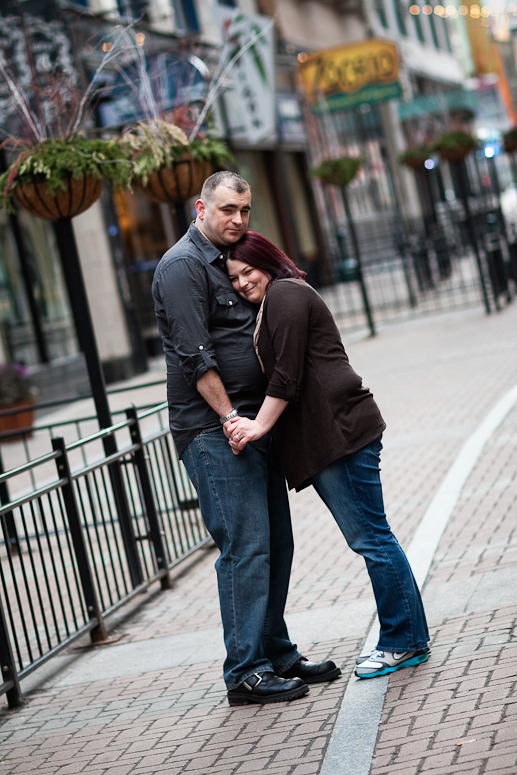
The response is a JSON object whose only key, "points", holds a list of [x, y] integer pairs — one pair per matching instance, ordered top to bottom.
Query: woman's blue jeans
{"points": [[351, 488], [244, 504]]}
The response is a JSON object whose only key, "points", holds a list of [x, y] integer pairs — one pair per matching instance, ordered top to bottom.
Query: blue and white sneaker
{"points": [[366, 654], [384, 662]]}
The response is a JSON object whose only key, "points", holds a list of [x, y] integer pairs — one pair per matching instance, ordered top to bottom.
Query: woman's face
{"points": [[249, 282]]}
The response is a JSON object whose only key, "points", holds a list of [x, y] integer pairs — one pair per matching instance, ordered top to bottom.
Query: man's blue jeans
{"points": [[351, 489], [244, 504]]}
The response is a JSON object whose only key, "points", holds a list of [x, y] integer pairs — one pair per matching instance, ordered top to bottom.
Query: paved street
{"points": [[154, 701]]}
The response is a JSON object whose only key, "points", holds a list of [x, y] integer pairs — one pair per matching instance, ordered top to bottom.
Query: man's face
{"points": [[224, 219]]}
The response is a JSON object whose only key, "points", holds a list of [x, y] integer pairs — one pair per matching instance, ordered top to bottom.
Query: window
{"points": [[134, 9], [381, 12], [186, 16], [399, 16], [419, 29], [434, 31], [446, 35]]}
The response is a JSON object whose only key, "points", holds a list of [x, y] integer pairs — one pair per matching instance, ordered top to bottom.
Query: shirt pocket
{"points": [[227, 299], [227, 308]]}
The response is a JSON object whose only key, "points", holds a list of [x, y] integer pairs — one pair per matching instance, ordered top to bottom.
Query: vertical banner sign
{"points": [[346, 76], [250, 103]]}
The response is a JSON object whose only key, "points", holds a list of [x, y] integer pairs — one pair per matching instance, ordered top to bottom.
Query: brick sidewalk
{"points": [[434, 379], [458, 712]]}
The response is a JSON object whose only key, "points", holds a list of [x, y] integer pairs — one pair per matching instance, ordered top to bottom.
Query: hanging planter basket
{"points": [[510, 140], [455, 146], [415, 158], [337, 172], [62, 178], [177, 183], [77, 196]]}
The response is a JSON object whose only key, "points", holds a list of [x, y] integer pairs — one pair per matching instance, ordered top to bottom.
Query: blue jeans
{"points": [[351, 488], [244, 504]]}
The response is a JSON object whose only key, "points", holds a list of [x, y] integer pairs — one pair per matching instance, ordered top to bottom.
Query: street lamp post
{"points": [[84, 326]]}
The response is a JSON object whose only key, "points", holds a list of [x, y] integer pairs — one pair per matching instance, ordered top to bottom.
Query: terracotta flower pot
{"points": [[459, 153], [415, 162], [176, 184], [77, 196], [13, 422]]}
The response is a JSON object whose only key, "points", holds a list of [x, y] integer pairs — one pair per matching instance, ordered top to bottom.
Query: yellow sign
{"points": [[347, 69]]}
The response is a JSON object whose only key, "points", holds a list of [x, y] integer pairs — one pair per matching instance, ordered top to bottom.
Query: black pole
{"points": [[461, 172], [494, 177], [357, 255], [83, 321], [10, 526], [8, 665]]}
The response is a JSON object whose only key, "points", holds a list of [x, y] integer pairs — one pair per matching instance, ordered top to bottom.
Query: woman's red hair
{"points": [[257, 251]]}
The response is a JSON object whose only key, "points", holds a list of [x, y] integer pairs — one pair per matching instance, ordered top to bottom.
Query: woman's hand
{"points": [[240, 431]]}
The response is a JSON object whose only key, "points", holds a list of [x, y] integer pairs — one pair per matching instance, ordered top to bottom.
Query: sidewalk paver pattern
{"points": [[435, 380]]}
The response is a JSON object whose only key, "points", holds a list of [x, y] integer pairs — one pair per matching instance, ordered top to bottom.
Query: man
{"points": [[213, 375]]}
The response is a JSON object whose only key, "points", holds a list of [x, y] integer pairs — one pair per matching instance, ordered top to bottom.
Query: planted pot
{"points": [[510, 140], [455, 146], [455, 154], [415, 158], [337, 172], [62, 178], [177, 183], [77, 196], [14, 422]]}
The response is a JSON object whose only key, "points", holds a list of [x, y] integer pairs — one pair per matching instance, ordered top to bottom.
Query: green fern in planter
{"points": [[452, 141], [155, 143], [415, 157], [53, 161], [337, 172]]}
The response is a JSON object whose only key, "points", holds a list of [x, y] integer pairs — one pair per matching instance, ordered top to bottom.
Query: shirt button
{"points": [[230, 303], [201, 347]]}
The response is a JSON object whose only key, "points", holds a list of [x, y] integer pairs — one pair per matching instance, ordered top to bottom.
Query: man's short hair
{"points": [[224, 178]]}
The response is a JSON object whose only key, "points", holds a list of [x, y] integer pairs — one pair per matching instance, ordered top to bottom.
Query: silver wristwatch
{"points": [[233, 413]]}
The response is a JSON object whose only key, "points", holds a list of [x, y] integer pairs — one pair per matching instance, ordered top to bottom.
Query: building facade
{"points": [[275, 138]]}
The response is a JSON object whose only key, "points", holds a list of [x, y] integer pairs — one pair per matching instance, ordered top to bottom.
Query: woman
{"points": [[328, 430]]}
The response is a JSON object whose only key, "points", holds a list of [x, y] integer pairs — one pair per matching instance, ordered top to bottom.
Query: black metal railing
{"points": [[462, 259], [95, 534]]}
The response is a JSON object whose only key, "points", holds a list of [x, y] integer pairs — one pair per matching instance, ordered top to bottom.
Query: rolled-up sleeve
{"points": [[181, 298], [287, 315]]}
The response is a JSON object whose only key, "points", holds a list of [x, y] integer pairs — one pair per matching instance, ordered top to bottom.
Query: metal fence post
{"points": [[357, 253], [124, 517], [76, 532], [155, 533], [11, 538], [8, 665]]}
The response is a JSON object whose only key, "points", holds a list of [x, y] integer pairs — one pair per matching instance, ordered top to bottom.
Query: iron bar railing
{"points": [[462, 259], [69, 564]]}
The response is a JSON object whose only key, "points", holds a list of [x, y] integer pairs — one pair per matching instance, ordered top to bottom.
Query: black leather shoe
{"points": [[313, 672], [267, 687]]}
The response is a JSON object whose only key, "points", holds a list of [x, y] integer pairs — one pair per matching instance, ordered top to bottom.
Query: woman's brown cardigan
{"points": [[330, 413]]}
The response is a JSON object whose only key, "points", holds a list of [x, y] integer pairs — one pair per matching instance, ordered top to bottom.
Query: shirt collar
{"points": [[210, 252]]}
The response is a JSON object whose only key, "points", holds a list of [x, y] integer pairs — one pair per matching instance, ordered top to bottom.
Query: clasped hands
{"points": [[240, 431]]}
